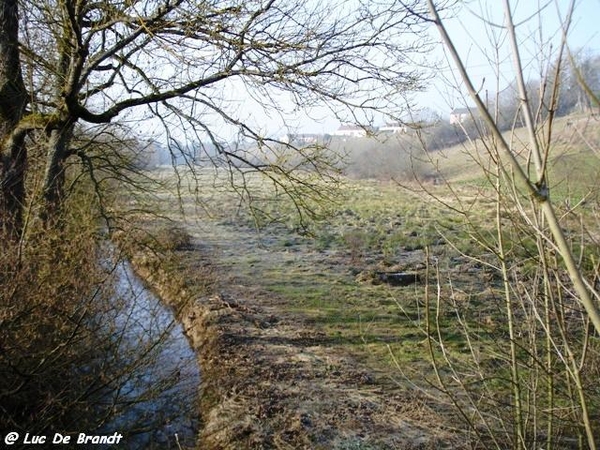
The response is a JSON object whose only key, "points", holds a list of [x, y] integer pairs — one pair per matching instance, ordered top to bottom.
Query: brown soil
{"points": [[271, 379]]}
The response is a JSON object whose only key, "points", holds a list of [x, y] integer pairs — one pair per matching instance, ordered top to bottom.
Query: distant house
{"points": [[459, 115], [393, 128], [351, 131]]}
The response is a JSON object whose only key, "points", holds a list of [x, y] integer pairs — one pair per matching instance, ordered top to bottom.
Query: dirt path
{"points": [[271, 377]]}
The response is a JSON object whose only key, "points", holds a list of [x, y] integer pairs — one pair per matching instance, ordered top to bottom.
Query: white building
{"points": [[459, 115], [393, 128], [351, 131]]}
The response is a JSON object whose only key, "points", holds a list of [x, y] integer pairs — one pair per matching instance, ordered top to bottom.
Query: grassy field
{"points": [[330, 275]]}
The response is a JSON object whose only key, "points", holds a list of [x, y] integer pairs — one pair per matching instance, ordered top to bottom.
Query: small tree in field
{"points": [[527, 378]]}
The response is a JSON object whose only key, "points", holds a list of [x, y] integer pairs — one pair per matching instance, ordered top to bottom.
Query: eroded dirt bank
{"points": [[270, 379]]}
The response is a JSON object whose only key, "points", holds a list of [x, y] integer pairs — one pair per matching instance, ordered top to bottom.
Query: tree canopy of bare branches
{"points": [[74, 63]]}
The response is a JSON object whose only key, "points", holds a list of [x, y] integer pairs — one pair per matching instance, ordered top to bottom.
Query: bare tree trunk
{"points": [[13, 99], [54, 175], [12, 194]]}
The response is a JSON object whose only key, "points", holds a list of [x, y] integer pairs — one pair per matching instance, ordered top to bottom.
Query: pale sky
{"points": [[473, 39]]}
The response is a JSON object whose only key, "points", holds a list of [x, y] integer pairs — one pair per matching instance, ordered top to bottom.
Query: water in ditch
{"points": [[153, 400]]}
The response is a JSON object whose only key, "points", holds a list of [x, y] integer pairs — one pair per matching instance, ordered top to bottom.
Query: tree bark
{"points": [[13, 100], [54, 175]]}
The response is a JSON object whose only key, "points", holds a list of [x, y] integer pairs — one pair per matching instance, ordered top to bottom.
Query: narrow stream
{"points": [[155, 404]]}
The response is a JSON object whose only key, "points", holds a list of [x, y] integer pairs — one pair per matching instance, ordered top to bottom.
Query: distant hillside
{"points": [[574, 156]]}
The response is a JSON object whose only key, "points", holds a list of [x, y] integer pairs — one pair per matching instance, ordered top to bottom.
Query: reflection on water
{"points": [[153, 402]]}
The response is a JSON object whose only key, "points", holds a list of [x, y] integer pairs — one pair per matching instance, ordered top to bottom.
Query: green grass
{"points": [[373, 226]]}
